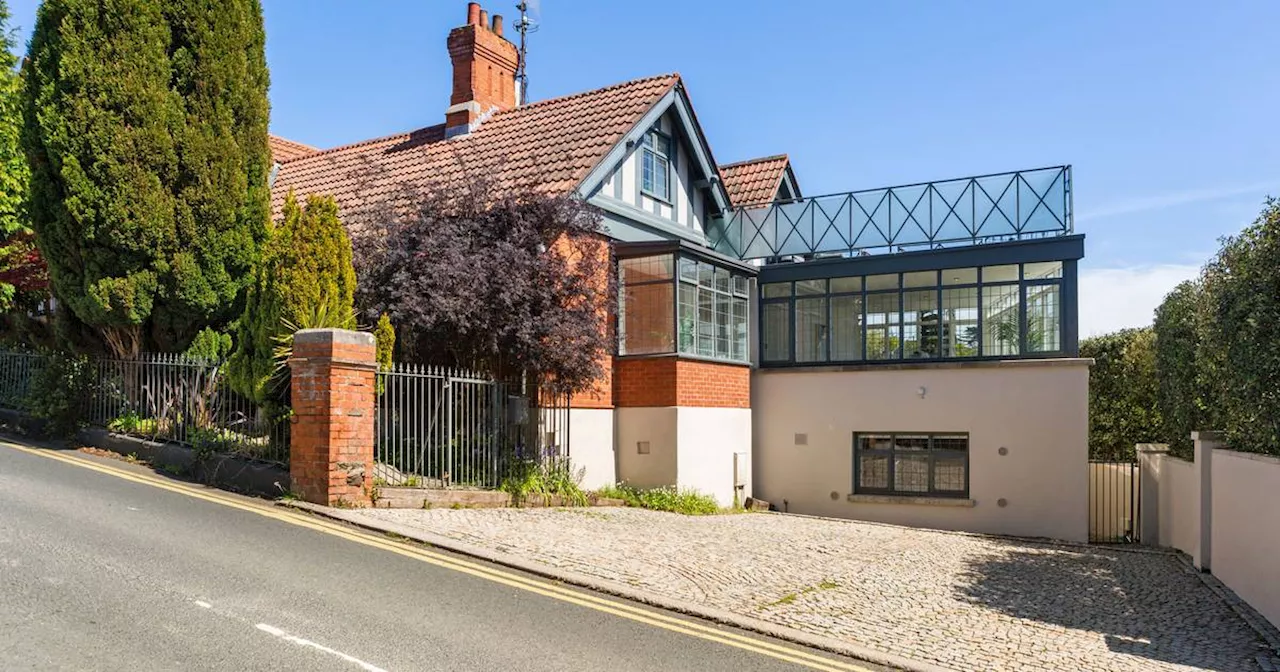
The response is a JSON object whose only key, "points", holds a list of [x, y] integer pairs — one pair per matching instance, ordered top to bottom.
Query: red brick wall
{"points": [[484, 66], [672, 381], [332, 434]]}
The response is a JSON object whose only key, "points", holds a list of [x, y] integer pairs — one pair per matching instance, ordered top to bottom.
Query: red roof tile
{"points": [[548, 146], [283, 151], [754, 181]]}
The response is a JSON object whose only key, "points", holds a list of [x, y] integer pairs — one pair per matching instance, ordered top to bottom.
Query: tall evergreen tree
{"points": [[145, 126], [14, 231], [304, 280]]}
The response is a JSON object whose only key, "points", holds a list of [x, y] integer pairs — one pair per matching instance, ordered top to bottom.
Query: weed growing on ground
{"points": [[533, 478], [688, 502], [825, 584]]}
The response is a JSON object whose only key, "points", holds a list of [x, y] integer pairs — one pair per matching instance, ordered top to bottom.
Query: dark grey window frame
{"points": [[668, 157], [679, 250], [1066, 250], [891, 453]]}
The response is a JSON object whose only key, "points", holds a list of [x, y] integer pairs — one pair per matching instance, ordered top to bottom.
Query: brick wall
{"points": [[672, 381], [332, 434]]}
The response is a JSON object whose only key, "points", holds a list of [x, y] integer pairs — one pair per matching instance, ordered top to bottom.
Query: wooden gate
{"points": [[1114, 502]]}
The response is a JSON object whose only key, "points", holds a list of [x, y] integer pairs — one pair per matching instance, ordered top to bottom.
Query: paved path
{"points": [[98, 572], [961, 601]]}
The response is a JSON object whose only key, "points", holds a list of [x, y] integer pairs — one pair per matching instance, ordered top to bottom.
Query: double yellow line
{"points": [[513, 580]]}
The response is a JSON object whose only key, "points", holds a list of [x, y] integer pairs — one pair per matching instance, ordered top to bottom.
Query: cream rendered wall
{"points": [[1037, 410], [657, 426], [708, 439], [591, 446], [1179, 504], [1246, 528]]}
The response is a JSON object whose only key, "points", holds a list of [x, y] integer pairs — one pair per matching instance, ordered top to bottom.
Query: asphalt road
{"points": [[100, 572]]}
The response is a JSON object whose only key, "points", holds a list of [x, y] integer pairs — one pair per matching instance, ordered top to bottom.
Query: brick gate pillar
{"points": [[333, 396]]}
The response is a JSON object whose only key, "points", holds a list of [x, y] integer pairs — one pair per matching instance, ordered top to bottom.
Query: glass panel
{"points": [[647, 161], [645, 269], [688, 269], [1042, 270], [1007, 273], [706, 274], [960, 276], [920, 279], [722, 280], [875, 282], [846, 285], [741, 286], [810, 287], [776, 290], [1044, 318], [645, 319], [740, 320], [999, 320], [706, 322], [960, 322], [920, 324], [688, 326], [724, 327], [883, 327], [846, 328], [811, 330], [776, 339], [875, 442], [911, 442], [957, 442], [873, 472], [910, 473], [948, 473]]}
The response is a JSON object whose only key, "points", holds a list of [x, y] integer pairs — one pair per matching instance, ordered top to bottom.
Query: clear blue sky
{"points": [[1167, 110]]}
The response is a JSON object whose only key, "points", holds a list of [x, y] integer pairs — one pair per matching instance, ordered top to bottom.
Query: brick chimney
{"points": [[484, 72]]}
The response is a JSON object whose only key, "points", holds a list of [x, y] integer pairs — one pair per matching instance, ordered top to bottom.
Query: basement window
{"points": [[655, 166], [911, 464]]}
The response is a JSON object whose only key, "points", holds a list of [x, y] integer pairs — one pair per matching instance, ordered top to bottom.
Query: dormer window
{"points": [[655, 166]]}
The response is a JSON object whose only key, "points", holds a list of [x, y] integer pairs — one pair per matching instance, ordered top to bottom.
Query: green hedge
{"points": [[1218, 348], [1122, 392]]}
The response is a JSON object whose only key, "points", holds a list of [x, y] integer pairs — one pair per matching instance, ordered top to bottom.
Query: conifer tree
{"points": [[145, 130]]}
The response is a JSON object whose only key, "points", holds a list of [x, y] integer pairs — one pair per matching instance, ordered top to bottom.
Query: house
{"points": [[904, 354]]}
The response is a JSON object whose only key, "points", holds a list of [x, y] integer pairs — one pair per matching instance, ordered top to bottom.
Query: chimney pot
{"points": [[473, 13], [484, 19], [497, 24]]}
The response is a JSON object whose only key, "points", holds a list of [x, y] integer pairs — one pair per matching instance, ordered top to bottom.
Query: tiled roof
{"points": [[548, 146], [283, 151], [754, 181]]}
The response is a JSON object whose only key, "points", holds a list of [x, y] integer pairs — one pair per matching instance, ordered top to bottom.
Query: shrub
{"points": [[304, 278], [209, 346], [1238, 357], [1179, 386], [60, 392], [1122, 393], [539, 478], [688, 502]]}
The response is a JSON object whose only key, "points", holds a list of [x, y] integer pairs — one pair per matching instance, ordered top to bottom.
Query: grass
{"points": [[688, 502], [825, 584]]}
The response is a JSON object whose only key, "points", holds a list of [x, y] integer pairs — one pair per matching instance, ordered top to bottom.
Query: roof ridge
{"points": [[588, 92], [281, 138], [761, 159]]}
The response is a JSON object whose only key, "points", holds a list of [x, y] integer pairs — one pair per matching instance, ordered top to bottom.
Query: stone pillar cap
{"points": [[334, 336], [1152, 447]]}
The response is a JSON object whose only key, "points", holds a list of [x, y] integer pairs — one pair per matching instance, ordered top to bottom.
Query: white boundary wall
{"points": [[1223, 510]]}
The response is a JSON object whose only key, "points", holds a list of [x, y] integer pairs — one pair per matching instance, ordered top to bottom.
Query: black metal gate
{"points": [[1114, 502]]}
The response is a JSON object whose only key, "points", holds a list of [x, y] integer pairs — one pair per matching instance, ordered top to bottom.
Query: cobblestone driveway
{"points": [[965, 602]]}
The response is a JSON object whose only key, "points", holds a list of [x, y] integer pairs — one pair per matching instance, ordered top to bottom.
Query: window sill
{"points": [[665, 201], [956, 502]]}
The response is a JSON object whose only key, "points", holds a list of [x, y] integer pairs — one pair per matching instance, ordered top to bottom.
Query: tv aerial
{"points": [[526, 24]]}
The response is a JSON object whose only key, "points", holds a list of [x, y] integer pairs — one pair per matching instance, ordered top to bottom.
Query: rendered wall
{"points": [[1037, 410], [657, 427], [709, 439], [591, 446], [1246, 528]]}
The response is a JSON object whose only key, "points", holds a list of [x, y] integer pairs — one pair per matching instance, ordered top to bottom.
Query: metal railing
{"points": [[967, 211], [167, 398], [439, 427]]}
